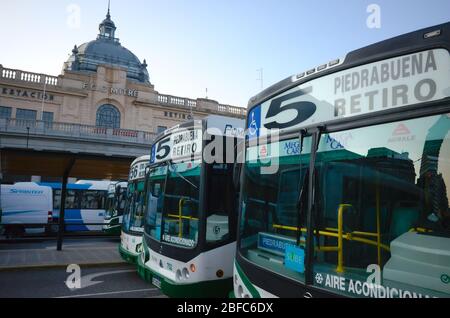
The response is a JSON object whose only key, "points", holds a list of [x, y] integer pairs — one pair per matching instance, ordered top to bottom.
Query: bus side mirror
{"points": [[237, 168]]}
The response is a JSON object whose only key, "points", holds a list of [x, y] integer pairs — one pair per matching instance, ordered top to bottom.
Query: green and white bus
{"points": [[345, 186], [115, 206], [133, 217], [191, 220]]}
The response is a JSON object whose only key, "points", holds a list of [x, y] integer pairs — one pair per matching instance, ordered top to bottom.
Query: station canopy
{"points": [[55, 164]]}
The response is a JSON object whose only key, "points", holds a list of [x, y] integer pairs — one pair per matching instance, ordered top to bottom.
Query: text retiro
{"points": [[377, 85]]}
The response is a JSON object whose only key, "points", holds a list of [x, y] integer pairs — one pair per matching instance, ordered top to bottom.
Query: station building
{"points": [[104, 85]]}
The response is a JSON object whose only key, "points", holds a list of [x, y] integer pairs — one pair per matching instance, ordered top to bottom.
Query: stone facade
{"points": [[113, 96], [75, 97]]}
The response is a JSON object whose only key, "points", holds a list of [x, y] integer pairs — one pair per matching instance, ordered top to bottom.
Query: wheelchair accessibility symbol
{"points": [[253, 126]]}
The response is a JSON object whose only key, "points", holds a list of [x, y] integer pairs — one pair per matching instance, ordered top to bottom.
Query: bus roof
{"points": [[400, 45], [410, 71], [212, 121], [186, 139], [140, 159], [24, 184], [96, 184], [122, 184], [27, 185], [79, 185], [70, 186], [113, 186]]}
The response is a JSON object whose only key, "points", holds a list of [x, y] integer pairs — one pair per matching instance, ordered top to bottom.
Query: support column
{"points": [[62, 209]]}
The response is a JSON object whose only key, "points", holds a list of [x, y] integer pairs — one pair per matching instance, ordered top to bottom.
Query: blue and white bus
{"points": [[85, 204]]}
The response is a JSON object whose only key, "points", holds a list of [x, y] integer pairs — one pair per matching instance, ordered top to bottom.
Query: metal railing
{"points": [[29, 77], [49, 80], [177, 101], [191, 103], [58, 129], [341, 235]]}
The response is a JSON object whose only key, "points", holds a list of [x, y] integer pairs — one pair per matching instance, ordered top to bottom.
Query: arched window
{"points": [[108, 116]]}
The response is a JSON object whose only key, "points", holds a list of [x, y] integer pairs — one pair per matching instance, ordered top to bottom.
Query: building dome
{"points": [[106, 49]]}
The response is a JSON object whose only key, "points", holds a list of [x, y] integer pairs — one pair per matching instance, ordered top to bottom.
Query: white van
{"points": [[25, 208]]}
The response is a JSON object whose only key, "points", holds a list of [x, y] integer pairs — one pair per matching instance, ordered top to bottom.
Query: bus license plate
{"points": [[156, 282]]}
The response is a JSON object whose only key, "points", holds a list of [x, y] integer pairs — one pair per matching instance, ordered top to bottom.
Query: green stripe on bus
{"points": [[246, 281]]}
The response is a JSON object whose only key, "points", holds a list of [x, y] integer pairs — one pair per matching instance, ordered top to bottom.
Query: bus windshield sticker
{"points": [[383, 85], [254, 122], [285, 148], [158, 172], [178, 240], [274, 244], [294, 258], [367, 288]]}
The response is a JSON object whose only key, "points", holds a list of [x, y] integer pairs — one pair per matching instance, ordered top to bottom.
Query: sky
{"points": [[218, 45]]}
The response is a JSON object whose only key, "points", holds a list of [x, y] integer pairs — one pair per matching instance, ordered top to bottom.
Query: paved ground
{"points": [[43, 253], [96, 282]]}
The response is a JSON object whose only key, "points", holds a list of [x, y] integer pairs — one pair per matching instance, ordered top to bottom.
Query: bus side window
{"points": [[56, 199], [92, 199], [71, 202], [220, 203]]}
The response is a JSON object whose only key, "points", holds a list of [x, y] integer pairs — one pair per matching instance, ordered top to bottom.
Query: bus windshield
{"points": [[155, 186], [388, 187], [382, 189], [121, 200], [273, 202], [115, 203], [110, 206], [134, 216], [173, 216]]}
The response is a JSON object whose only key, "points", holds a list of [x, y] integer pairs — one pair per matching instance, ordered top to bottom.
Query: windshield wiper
{"points": [[181, 176], [303, 190]]}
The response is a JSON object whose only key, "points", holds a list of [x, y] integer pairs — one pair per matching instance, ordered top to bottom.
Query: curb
{"points": [[55, 266]]}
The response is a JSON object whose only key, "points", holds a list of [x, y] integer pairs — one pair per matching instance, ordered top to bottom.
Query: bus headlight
{"points": [[185, 273], [179, 276], [240, 291]]}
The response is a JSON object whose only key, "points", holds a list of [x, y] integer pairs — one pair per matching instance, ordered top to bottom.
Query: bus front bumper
{"points": [[112, 226], [112, 230], [127, 256], [143, 271], [208, 289]]}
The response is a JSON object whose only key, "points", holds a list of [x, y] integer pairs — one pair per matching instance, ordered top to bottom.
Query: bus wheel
{"points": [[14, 231]]}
